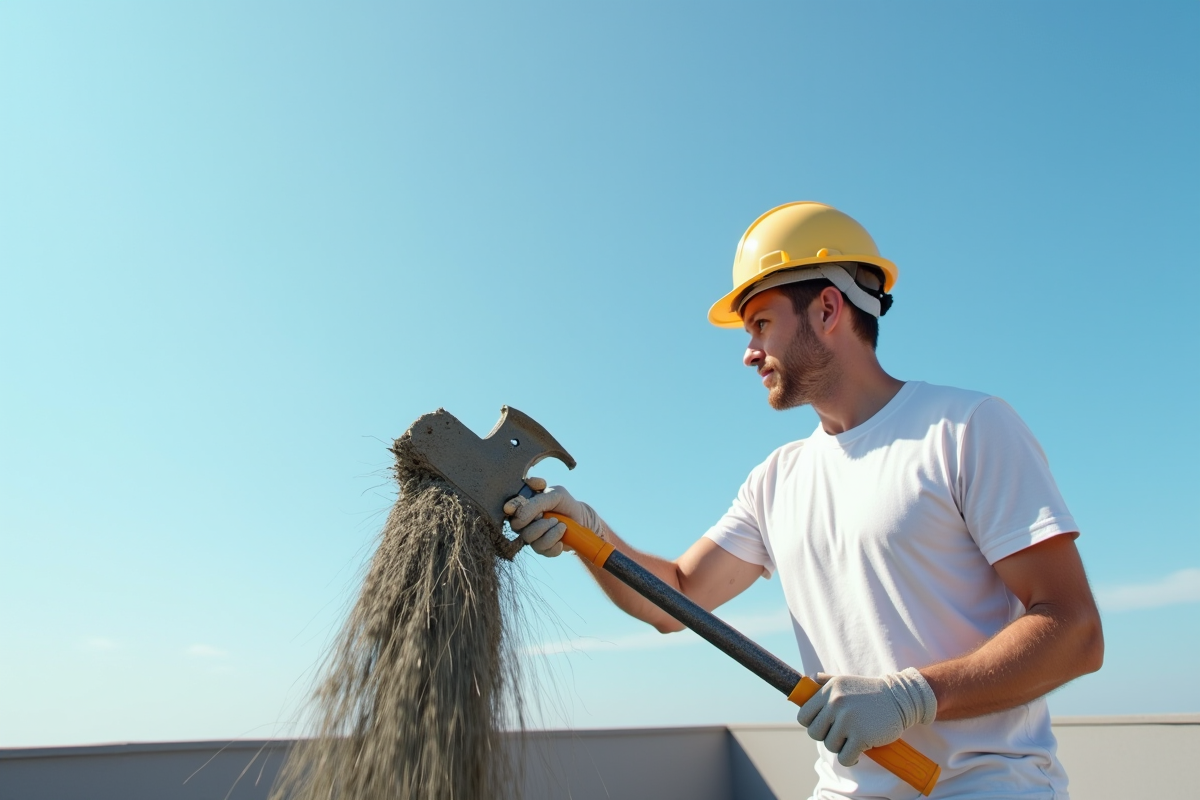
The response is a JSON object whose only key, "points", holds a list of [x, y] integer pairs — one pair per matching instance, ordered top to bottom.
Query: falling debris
{"points": [[423, 676]]}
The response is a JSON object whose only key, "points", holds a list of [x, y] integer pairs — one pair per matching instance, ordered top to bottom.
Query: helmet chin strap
{"points": [[834, 273]]}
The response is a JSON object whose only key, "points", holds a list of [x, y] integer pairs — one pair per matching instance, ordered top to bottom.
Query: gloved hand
{"points": [[533, 517], [852, 713]]}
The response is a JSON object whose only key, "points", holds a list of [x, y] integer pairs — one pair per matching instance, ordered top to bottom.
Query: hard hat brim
{"points": [[724, 313]]}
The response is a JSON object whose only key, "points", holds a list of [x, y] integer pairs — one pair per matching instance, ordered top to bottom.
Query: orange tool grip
{"points": [[587, 544], [899, 758]]}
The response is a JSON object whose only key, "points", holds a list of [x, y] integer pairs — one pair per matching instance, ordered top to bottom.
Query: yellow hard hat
{"points": [[801, 234]]}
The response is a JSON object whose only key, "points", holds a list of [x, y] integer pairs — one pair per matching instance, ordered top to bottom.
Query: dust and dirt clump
{"points": [[422, 676]]}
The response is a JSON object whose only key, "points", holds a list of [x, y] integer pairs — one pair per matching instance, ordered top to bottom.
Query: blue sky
{"points": [[242, 247]]}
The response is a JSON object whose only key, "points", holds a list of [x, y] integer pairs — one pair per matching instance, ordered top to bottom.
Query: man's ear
{"points": [[829, 304]]}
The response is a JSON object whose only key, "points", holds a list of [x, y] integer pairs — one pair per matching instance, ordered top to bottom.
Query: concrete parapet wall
{"points": [[1106, 757]]}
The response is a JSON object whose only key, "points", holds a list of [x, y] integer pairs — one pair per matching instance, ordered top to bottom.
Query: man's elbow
{"points": [[1091, 642]]}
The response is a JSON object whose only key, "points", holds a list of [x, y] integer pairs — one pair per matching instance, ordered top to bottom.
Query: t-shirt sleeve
{"points": [[1008, 497], [738, 531]]}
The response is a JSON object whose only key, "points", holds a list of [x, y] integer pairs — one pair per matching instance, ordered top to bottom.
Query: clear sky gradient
{"points": [[243, 246]]}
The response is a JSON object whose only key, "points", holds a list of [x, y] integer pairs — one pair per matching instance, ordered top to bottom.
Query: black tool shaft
{"points": [[729, 640]]}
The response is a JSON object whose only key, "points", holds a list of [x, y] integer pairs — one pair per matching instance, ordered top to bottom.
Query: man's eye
{"points": [[762, 323]]}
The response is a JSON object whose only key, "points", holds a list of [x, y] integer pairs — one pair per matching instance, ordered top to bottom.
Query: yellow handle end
{"points": [[899, 758], [907, 762]]}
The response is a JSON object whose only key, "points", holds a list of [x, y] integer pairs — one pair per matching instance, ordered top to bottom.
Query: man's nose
{"points": [[753, 356]]}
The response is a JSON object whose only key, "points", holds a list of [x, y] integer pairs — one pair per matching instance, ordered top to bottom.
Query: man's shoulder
{"points": [[946, 402], [949, 411], [779, 458]]}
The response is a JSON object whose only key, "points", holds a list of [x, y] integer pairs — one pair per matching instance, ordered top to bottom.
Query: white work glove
{"points": [[532, 517], [852, 713]]}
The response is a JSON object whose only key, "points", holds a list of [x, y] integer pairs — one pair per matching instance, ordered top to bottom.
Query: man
{"points": [[926, 555]]}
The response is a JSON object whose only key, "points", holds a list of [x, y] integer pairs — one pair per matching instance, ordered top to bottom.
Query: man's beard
{"points": [[806, 373]]}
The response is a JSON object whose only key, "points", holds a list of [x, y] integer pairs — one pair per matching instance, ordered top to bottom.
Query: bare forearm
{"points": [[705, 573], [630, 601], [1035, 654]]}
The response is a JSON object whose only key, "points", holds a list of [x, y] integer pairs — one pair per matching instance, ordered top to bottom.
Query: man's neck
{"points": [[863, 390]]}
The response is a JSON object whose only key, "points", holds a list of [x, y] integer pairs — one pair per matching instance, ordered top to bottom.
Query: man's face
{"points": [[796, 367]]}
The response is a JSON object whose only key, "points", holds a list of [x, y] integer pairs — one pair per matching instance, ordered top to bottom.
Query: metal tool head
{"points": [[489, 471]]}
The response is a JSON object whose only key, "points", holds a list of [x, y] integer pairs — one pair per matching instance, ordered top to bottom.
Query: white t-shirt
{"points": [[884, 538]]}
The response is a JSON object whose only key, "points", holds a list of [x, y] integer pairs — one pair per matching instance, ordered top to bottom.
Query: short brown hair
{"points": [[802, 294]]}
